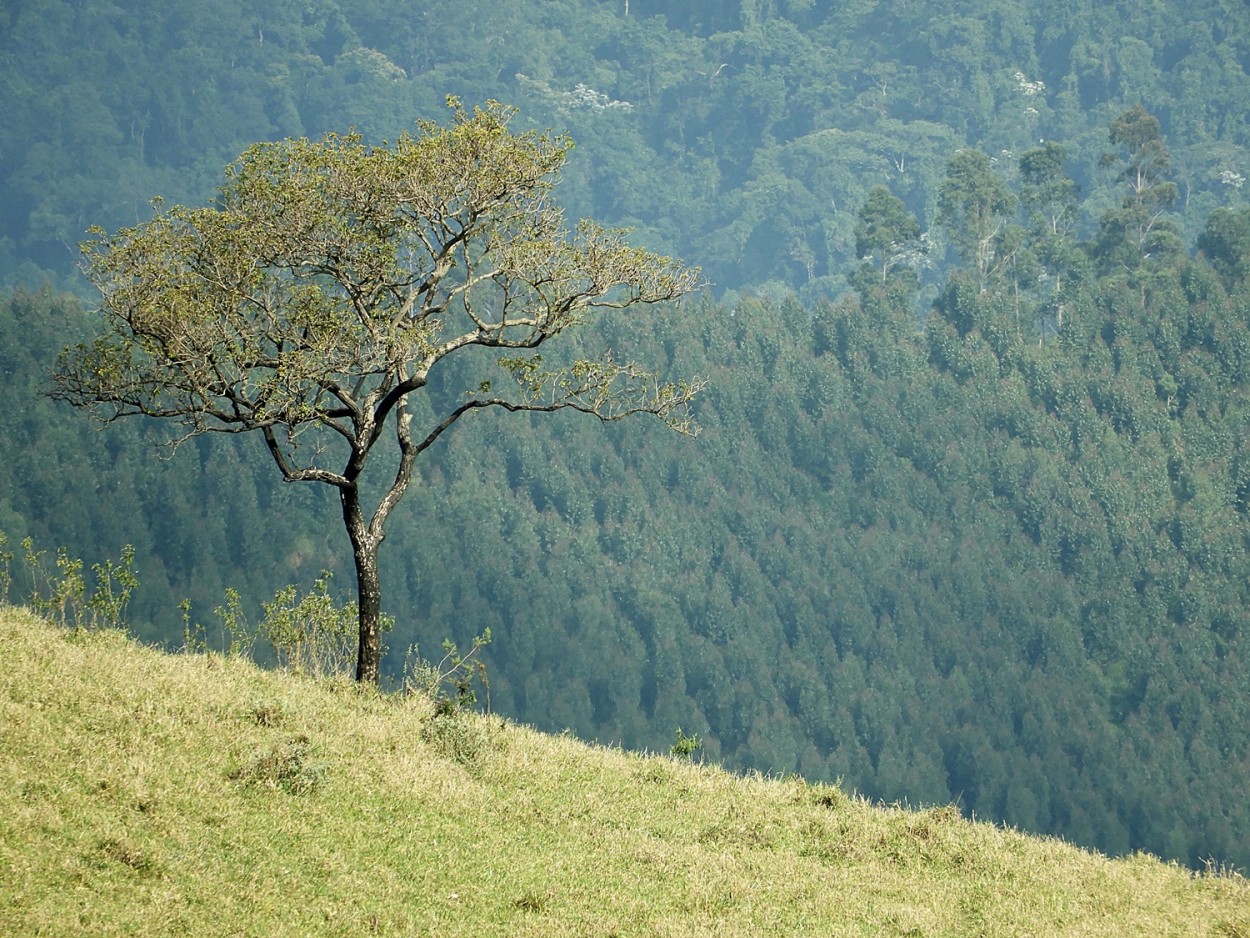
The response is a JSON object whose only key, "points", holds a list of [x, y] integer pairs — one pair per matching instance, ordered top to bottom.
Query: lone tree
{"points": [[328, 281]]}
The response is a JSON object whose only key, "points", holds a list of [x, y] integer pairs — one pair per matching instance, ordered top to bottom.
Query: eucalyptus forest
{"points": [[968, 516]]}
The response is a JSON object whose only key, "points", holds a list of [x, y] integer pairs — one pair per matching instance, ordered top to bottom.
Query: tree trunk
{"points": [[368, 589], [369, 600]]}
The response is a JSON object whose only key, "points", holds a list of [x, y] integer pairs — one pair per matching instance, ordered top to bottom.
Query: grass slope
{"points": [[144, 793]]}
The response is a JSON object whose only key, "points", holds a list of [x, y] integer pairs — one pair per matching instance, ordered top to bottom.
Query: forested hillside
{"points": [[743, 134], [968, 517]]}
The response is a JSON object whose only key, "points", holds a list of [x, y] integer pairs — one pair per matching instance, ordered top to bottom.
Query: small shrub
{"points": [[6, 572], [114, 585], [60, 595], [55, 596], [240, 634], [310, 634], [194, 639], [455, 670], [458, 736], [685, 746], [287, 766]]}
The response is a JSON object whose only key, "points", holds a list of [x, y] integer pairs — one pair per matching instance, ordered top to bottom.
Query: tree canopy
{"points": [[884, 229]]}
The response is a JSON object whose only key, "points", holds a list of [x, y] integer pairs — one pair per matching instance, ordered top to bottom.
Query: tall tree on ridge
{"points": [[975, 207], [1141, 229]]}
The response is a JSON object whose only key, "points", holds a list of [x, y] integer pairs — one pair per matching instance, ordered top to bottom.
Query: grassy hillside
{"points": [[142, 793]]}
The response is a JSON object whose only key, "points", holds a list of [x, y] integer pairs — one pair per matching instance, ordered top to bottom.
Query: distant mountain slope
{"points": [[741, 136]]}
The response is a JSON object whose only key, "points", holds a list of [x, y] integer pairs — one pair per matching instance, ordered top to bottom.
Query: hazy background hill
{"points": [[741, 135], [999, 558]]}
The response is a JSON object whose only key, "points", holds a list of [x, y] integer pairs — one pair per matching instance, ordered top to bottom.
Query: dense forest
{"points": [[969, 516]]}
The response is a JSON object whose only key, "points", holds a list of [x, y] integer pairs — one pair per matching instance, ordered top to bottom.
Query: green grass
{"points": [[151, 794]]}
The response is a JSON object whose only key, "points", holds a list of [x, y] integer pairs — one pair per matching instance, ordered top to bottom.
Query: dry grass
{"points": [[142, 793]]}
